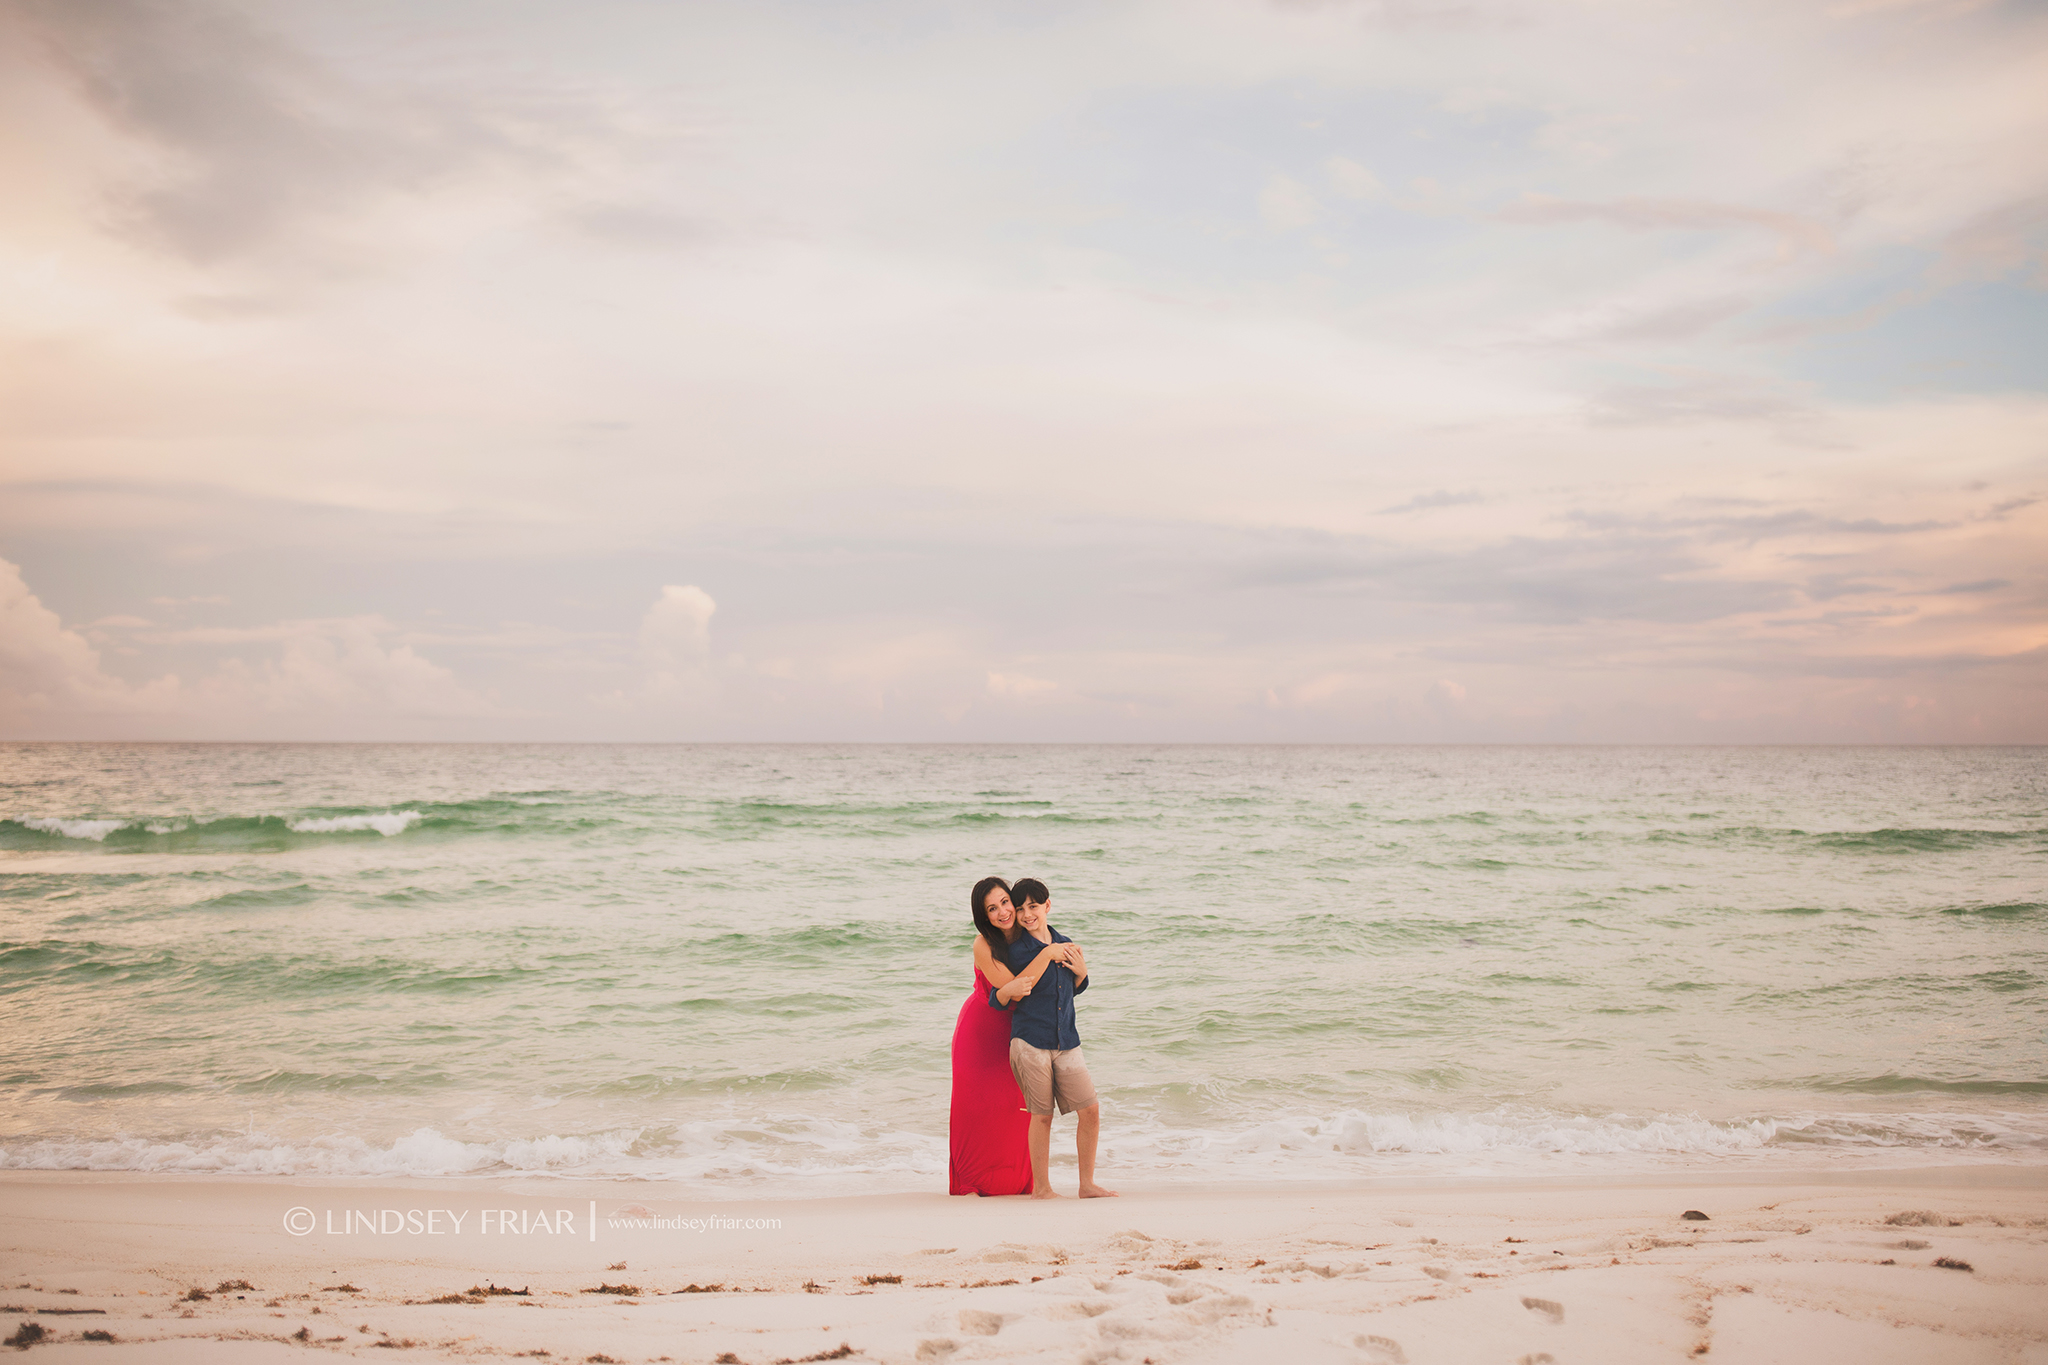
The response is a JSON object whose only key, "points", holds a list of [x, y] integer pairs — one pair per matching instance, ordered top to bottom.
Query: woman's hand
{"points": [[1016, 990]]}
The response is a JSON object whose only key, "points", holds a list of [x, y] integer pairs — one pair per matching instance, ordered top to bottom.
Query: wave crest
{"points": [[386, 823], [95, 830], [231, 831]]}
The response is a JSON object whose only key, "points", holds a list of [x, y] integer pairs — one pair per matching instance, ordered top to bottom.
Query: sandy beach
{"points": [[1930, 1265]]}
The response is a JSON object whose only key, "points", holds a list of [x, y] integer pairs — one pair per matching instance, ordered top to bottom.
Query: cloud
{"points": [[1856, 9], [258, 148], [1350, 179], [1286, 204], [645, 226], [1796, 235], [2009, 240], [1631, 321], [1067, 383], [1702, 398], [1423, 502], [1753, 527], [1617, 576], [1828, 586], [678, 625], [675, 664], [45, 666], [341, 669], [324, 675], [1014, 685]]}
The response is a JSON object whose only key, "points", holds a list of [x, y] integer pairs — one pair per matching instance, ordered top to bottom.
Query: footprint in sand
{"points": [[1548, 1309], [980, 1323], [936, 1348], [1381, 1350], [1540, 1358]]}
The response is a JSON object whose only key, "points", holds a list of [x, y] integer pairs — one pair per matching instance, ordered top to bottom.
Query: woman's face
{"points": [[996, 904]]}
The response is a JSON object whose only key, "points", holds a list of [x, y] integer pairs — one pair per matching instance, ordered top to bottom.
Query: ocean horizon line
{"points": [[1829, 745]]}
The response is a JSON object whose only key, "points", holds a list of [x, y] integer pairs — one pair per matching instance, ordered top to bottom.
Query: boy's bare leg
{"points": [[1089, 1129], [1040, 1141]]}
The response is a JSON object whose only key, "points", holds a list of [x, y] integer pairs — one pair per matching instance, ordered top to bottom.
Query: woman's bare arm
{"points": [[992, 971], [1026, 979], [1012, 987]]}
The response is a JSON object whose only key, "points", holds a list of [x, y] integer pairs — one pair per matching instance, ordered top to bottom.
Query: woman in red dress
{"points": [[989, 1123]]}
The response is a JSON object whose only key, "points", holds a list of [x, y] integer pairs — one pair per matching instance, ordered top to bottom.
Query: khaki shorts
{"points": [[1050, 1078]]}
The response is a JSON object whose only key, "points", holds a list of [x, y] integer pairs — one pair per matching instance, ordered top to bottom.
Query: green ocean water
{"points": [[739, 966]]}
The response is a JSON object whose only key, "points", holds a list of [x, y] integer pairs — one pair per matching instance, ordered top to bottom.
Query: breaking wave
{"points": [[386, 823], [179, 834], [821, 1156]]}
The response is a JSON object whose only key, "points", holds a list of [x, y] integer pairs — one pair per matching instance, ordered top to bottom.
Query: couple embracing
{"points": [[1016, 1053]]}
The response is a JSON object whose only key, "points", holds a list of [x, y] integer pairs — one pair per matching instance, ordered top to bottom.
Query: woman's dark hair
{"points": [[977, 902]]}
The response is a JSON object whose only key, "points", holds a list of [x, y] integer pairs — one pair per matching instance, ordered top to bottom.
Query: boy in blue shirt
{"points": [[1045, 1047]]}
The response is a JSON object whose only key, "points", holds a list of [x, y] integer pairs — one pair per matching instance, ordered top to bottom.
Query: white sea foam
{"points": [[386, 823], [95, 830], [1352, 1134], [1353, 1143], [423, 1152], [813, 1156], [826, 1157]]}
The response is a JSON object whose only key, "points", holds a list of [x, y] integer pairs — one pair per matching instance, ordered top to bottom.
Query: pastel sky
{"points": [[1353, 370]]}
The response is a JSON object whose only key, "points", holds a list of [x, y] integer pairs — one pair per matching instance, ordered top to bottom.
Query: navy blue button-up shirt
{"points": [[1044, 1018]]}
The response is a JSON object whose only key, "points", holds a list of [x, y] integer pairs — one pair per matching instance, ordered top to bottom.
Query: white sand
{"points": [[1793, 1269]]}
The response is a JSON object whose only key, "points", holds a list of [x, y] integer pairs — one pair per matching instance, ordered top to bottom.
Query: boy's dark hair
{"points": [[1030, 889]]}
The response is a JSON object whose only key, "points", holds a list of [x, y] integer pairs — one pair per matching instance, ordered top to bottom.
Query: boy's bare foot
{"points": [[1096, 1192], [1047, 1194]]}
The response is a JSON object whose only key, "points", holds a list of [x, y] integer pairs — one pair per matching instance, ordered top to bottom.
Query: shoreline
{"points": [[2025, 1175], [1789, 1266]]}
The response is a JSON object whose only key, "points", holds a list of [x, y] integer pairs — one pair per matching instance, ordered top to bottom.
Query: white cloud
{"points": [[1351, 180], [678, 625], [44, 666], [340, 669], [325, 676], [676, 679]]}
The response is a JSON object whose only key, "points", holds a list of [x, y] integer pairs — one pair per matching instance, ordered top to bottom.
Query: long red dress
{"points": [[991, 1152]]}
